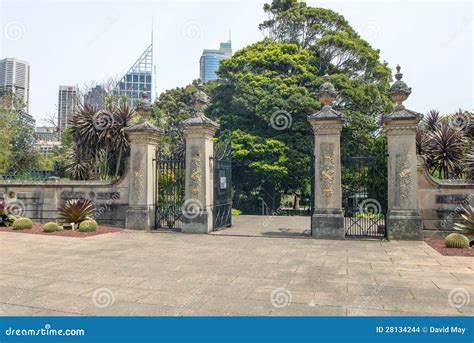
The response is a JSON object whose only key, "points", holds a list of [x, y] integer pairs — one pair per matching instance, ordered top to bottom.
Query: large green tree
{"points": [[278, 78]]}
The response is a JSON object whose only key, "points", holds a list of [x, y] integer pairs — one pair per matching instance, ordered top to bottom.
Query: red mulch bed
{"points": [[37, 229], [439, 244]]}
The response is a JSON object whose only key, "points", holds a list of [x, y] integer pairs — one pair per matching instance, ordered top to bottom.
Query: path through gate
{"points": [[222, 165], [170, 191], [364, 195]]}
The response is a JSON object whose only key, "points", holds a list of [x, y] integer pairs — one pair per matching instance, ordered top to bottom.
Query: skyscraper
{"points": [[210, 61], [15, 77], [138, 77], [95, 97], [67, 102]]}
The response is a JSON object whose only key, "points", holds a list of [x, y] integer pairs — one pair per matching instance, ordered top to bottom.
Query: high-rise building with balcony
{"points": [[210, 61], [15, 78], [67, 101]]}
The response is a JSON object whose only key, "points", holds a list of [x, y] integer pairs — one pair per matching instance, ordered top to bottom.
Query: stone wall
{"points": [[39, 200], [440, 201]]}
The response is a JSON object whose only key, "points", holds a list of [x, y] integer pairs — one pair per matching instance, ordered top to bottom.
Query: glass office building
{"points": [[210, 61], [137, 78]]}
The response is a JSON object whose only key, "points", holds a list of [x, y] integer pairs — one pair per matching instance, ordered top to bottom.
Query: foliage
{"points": [[172, 107], [17, 138], [101, 144], [444, 144], [76, 210], [236, 212], [369, 215], [6, 218], [468, 218], [22, 224], [88, 225], [50, 227], [457, 240]]}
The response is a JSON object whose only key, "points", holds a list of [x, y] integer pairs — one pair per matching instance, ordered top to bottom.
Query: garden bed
{"points": [[37, 229], [439, 244]]}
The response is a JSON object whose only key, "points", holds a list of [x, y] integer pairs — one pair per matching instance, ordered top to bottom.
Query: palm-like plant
{"points": [[123, 117], [431, 121], [446, 150], [76, 210], [468, 217]]}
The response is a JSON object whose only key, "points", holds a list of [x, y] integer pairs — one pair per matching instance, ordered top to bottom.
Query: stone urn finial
{"points": [[399, 91], [327, 93], [201, 101], [144, 107]]}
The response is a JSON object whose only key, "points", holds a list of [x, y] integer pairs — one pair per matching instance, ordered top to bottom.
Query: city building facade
{"points": [[210, 61], [15, 78], [137, 78], [95, 97], [68, 99], [47, 138]]}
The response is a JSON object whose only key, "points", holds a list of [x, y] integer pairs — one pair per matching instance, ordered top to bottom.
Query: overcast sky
{"points": [[68, 43]]}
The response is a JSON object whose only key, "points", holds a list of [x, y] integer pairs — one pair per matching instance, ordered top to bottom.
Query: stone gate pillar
{"points": [[199, 132], [144, 138], [328, 218], [403, 218]]}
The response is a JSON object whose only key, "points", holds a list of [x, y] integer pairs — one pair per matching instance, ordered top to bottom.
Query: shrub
{"points": [[76, 210], [236, 212], [468, 216], [6, 218], [22, 224], [88, 225], [50, 227], [60, 228], [456, 240]]}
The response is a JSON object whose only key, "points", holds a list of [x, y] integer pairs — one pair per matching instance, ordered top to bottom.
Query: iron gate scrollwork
{"points": [[222, 165], [170, 191], [364, 196]]}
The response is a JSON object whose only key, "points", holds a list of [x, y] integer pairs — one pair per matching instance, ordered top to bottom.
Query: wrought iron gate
{"points": [[222, 164], [170, 192], [364, 194]]}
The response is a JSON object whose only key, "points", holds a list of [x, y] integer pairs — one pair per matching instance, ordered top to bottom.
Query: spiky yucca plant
{"points": [[446, 150], [76, 210], [468, 216]]}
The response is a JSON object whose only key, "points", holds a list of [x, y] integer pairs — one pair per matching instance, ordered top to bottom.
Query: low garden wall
{"points": [[39, 200], [440, 201]]}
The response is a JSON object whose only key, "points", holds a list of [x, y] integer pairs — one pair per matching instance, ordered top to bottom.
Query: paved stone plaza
{"points": [[261, 266]]}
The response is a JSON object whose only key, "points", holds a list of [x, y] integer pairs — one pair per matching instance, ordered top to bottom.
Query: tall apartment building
{"points": [[210, 61], [15, 78], [67, 102], [46, 139]]}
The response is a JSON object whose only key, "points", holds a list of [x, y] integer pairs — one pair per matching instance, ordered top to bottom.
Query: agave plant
{"points": [[76, 210], [468, 216]]}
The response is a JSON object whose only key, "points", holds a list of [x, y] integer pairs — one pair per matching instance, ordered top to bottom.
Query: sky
{"points": [[75, 43]]}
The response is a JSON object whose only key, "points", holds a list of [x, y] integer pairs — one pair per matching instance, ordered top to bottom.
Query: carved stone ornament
{"points": [[327, 170], [196, 174], [138, 176]]}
